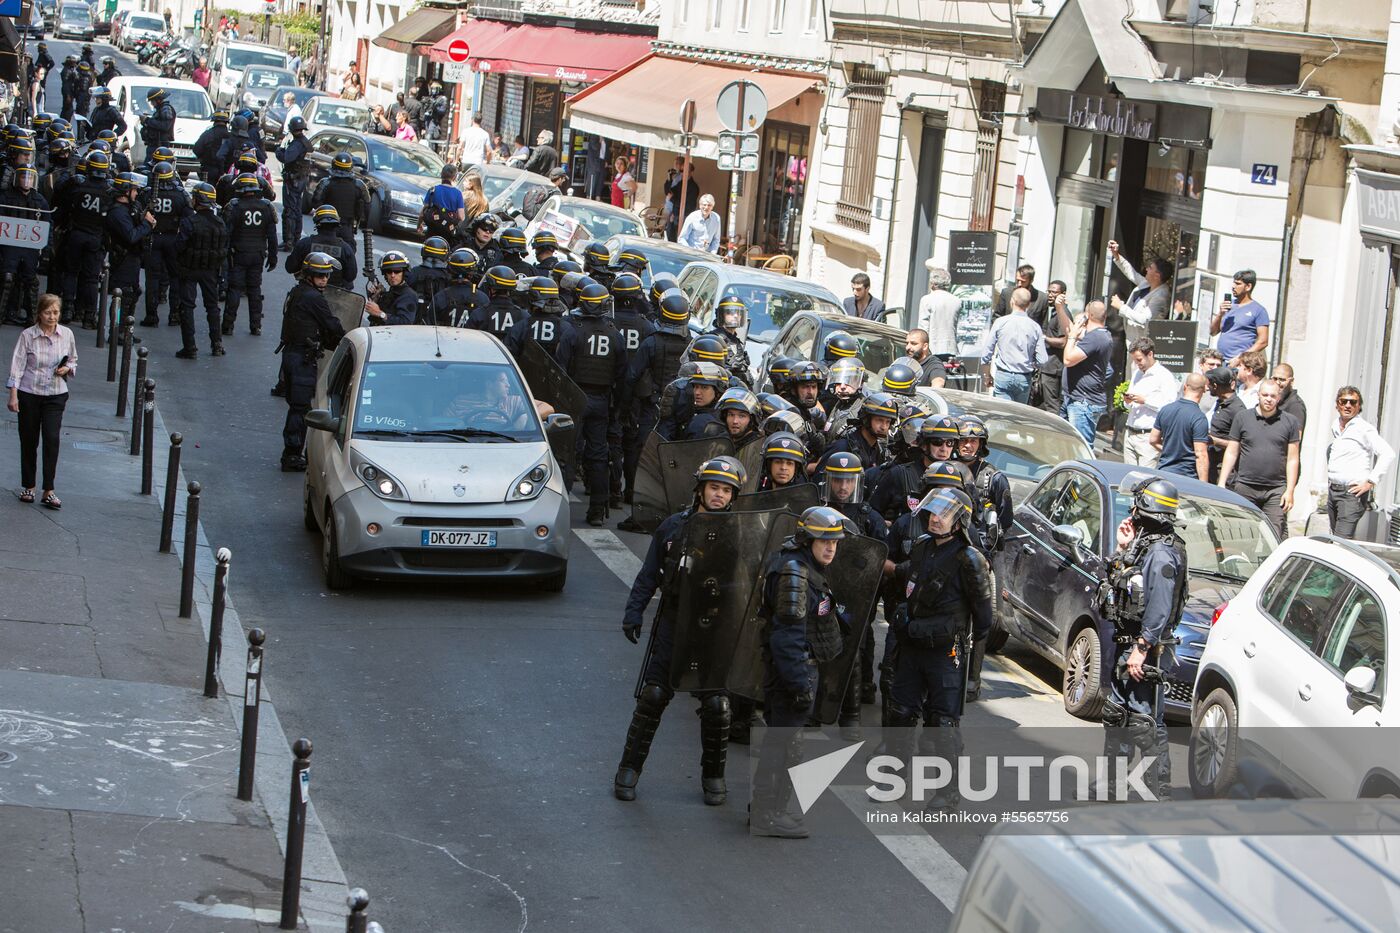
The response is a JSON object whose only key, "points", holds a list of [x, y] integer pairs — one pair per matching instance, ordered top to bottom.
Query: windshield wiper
{"points": [[383, 432], [462, 434], [1218, 575]]}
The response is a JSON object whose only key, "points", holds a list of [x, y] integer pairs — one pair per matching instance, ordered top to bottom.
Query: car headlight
{"points": [[405, 200], [381, 483], [531, 483]]}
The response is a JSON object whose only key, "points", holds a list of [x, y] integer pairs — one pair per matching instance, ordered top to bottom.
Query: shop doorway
{"points": [[925, 216], [778, 222]]}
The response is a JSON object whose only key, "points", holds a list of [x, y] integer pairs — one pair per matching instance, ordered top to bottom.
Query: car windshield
{"points": [[75, 14], [153, 23], [238, 59], [266, 77], [300, 94], [188, 102], [346, 115], [405, 161], [492, 185], [602, 222], [770, 308], [423, 401], [1029, 451], [1221, 538]]}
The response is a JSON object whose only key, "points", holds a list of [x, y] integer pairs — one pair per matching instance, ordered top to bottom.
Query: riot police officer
{"points": [[109, 70], [68, 83], [82, 88], [104, 115], [158, 126], [239, 139], [210, 144], [19, 153], [121, 162], [246, 163], [296, 171], [343, 190], [169, 204], [85, 207], [127, 227], [479, 234], [252, 236], [326, 240], [512, 244], [545, 244], [199, 257], [630, 260], [597, 263], [19, 264], [562, 268], [429, 277], [661, 284], [394, 302], [453, 305], [499, 314], [731, 314], [629, 316], [547, 324], [308, 329], [839, 345], [660, 356], [599, 368], [899, 380], [805, 384], [845, 390], [737, 410], [697, 419], [867, 438], [784, 461], [717, 482], [898, 488], [992, 513], [1143, 598], [948, 604], [802, 627]]}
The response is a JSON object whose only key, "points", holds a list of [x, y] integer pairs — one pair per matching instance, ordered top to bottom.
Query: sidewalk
{"points": [[117, 776]]}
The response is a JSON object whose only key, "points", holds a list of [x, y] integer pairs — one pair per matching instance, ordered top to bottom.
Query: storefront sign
{"points": [[1110, 116], [1378, 201], [20, 231], [972, 257], [1174, 344]]}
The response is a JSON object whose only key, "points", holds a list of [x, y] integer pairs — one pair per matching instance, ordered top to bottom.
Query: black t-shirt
{"points": [[933, 368], [1224, 417], [1263, 459]]}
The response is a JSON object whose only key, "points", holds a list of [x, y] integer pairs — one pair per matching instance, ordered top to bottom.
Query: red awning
{"points": [[545, 51]]}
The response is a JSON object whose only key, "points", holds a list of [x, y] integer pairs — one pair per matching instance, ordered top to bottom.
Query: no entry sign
{"points": [[458, 50]]}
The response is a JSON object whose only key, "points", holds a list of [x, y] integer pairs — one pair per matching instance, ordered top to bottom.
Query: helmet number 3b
{"points": [[163, 206], [599, 345]]}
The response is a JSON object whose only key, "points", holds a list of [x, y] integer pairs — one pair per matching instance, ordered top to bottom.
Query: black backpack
{"points": [[439, 221]]}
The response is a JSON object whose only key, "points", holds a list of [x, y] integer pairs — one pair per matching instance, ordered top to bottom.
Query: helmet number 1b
{"points": [[544, 331], [633, 338], [599, 345]]}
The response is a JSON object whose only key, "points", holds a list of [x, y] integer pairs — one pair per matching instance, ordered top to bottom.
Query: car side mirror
{"points": [[322, 420], [557, 423], [1068, 535], [1361, 684]]}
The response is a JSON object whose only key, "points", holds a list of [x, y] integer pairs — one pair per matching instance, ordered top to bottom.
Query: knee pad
{"points": [[653, 698], [715, 706], [902, 715], [1113, 716], [1142, 729]]}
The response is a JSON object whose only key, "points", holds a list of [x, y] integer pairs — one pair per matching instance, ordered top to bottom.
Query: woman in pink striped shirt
{"points": [[46, 357]]}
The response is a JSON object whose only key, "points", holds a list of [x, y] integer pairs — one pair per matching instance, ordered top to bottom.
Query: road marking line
{"points": [[615, 555], [1018, 674], [922, 855]]}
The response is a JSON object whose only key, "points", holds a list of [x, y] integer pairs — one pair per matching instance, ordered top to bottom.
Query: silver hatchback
{"points": [[428, 457]]}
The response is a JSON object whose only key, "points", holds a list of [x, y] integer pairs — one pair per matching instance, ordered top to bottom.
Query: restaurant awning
{"points": [[417, 30], [544, 51], [641, 104]]}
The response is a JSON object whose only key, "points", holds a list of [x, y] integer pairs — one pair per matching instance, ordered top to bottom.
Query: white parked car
{"points": [[137, 26], [231, 57], [194, 113], [332, 113], [576, 222], [427, 458], [1293, 682]]}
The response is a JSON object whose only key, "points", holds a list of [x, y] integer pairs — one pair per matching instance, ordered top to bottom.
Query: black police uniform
{"points": [[108, 72], [68, 86], [82, 91], [106, 117], [158, 128], [207, 149], [296, 172], [225, 192], [350, 197], [169, 204], [86, 205], [126, 231], [252, 236], [326, 241], [199, 262], [19, 265], [546, 265], [426, 282], [399, 303], [454, 305], [499, 315], [308, 328], [599, 368], [637, 412], [702, 422], [872, 456], [898, 488], [990, 491], [868, 523], [1146, 590]]}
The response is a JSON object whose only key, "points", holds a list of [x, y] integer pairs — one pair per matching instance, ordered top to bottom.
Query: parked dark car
{"points": [[258, 83], [274, 115], [399, 174], [663, 256], [1057, 552]]}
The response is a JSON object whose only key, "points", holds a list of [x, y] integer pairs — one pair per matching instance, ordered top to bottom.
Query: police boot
{"points": [[11, 317], [226, 328], [293, 461], [597, 515], [630, 524], [974, 670], [743, 718], [645, 719], [1143, 732], [944, 741], [714, 745], [1116, 746], [770, 815]]}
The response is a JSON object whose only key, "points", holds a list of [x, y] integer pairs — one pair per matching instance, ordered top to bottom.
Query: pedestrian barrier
{"points": [[101, 301], [112, 337], [138, 410], [148, 436], [172, 476], [191, 545], [216, 622], [252, 696], [296, 833]]}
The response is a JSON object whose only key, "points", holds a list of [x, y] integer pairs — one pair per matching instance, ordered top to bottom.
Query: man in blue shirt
{"points": [[443, 206], [1241, 322], [1015, 350], [1088, 368], [1182, 433]]}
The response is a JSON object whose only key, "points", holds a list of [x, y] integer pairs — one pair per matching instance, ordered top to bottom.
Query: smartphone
{"points": [[61, 363]]}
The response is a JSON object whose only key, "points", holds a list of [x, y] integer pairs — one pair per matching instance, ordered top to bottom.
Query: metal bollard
{"points": [[101, 306], [112, 336], [143, 356], [125, 377], [148, 437], [167, 512], [191, 545], [216, 623], [252, 696], [296, 833], [358, 901]]}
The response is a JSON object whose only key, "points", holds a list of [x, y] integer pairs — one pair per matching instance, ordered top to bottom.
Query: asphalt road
{"points": [[466, 736]]}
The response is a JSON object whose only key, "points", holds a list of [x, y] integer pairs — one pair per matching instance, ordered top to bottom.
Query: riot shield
{"points": [[348, 307], [549, 383], [751, 456], [678, 461], [796, 499], [649, 503], [724, 555], [855, 577], [746, 669]]}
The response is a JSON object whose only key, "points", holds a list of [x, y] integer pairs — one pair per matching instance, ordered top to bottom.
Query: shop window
{"points": [[990, 98], [865, 100], [1179, 171], [778, 223]]}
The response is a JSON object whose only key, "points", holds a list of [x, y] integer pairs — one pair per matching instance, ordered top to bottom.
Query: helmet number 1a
{"points": [[501, 323], [599, 345]]}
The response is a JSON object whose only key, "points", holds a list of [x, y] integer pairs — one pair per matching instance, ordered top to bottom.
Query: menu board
{"points": [[544, 99]]}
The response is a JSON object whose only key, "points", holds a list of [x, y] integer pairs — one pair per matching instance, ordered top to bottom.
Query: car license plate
{"points": [[459, 538]]}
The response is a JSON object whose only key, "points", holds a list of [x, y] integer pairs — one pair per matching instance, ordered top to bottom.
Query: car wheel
{"points": [[376, 218], [308, 514], [337, 577], [554, 583], [998, 636], [1082, 689], [1213, 752]]}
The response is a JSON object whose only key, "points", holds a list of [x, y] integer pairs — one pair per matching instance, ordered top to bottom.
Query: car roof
{"points": [[248, 44], [152, 81], [357, 104], [497, 170], [596, 206], [653, 244], [748, 275], [854, 325], [416, 342], [973, 403], [1112, 473], [1385, 557]]}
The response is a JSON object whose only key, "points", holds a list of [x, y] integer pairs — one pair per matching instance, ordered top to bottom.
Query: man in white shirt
{"points": [[289, 100], [476, 143], [701, 228], [1150, 300], [938, 312], [1253, 365], [1150, 388], [1357, 460]]}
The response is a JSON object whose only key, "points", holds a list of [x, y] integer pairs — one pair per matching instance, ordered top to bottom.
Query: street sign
{"points": [[458, 50], [456, 73], [741, 106], [687, 121], [738, 152], [22, 231], [972, 257], [1174, 345]]}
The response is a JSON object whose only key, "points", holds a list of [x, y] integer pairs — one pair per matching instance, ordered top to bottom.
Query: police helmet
{"points": [[70, 59], [87, 66], [102, 94], [155, 95], [221, 116], [41, 122], [238, 125], [296, 125], [57, 127], [108, 136], [22, 144], [97, 145], [60, 148], [163, 154], [247, 161], [98, 163], [81, 166], [341, 166], [163, 171], [25, 178], [125, 182], [247, 184], [206, 194], [325, 216], [487, 222], [544, 240], [512, 241], [434, 252], [595, 257], [633, 260], [393, 261], [319, 263], [462, 263], [563, 267], [500, 280], [570, 283], [661, 284], [626, 286], [542, 291], [593, 300], [675, 307], [731, 313], [839, 345], [708, 348], [807, 371], [848, 372], [780, 373], [709, 374], [900, 378], [738, 399], [768, 403], [878, 405], [786, 420], [973, 426], [938, 430], [906, 436], [784, 445], [726, 470], [943, 474], [842, 475], [1156, 498], [946, 501], [820, 523]]}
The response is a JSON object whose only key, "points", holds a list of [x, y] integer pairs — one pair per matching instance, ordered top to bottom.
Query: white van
{"points": [[231, 56]]}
